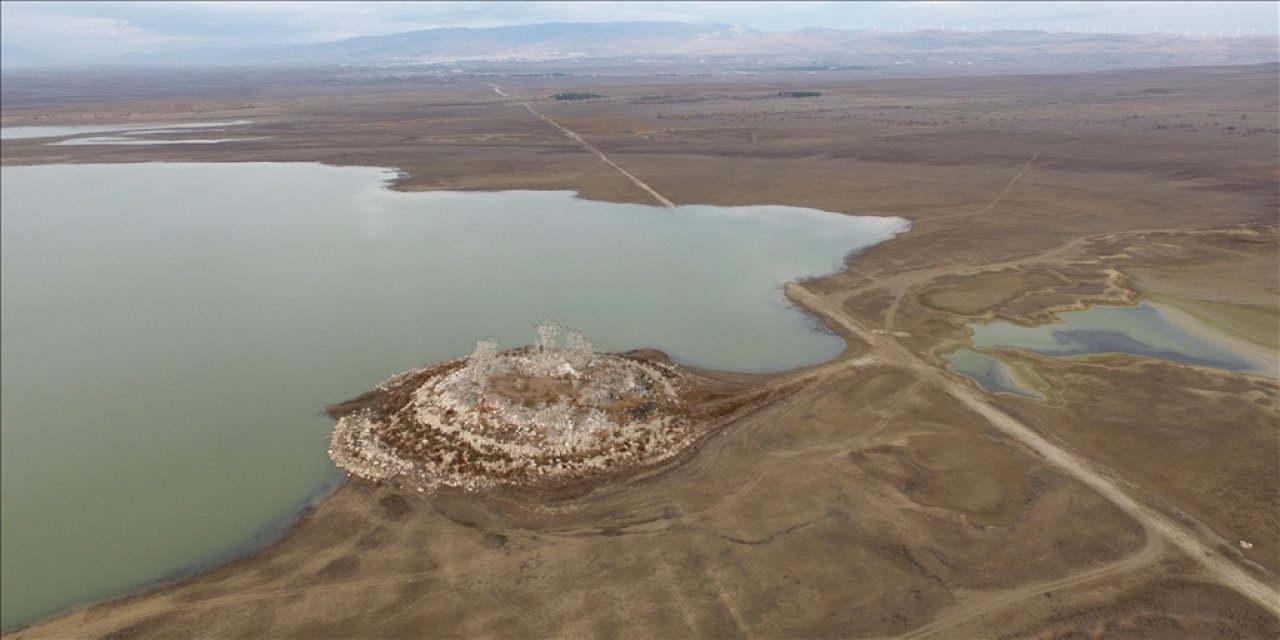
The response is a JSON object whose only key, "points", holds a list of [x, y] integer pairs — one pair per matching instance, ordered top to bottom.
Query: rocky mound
{"points": [[532, 414]]}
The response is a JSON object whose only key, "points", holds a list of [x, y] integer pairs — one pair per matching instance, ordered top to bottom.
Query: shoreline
{"points": [[1266, 360], [760, 392], [295, 519], [288, 526], [180, 579]]}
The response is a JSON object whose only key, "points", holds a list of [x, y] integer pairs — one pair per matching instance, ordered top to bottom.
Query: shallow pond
{"points": [[21, 133], [142, 142], [1143, 330], [172, 333], [991, 374]]}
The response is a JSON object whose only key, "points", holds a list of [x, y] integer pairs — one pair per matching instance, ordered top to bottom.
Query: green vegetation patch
{"points": [[799, 94], [576, 96]]}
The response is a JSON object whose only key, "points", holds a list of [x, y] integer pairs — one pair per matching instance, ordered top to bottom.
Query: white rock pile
{"points": [[556, 410]]}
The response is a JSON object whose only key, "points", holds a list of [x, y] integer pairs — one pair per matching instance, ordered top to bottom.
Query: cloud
{"points": [[931, 4], [42, 26], [116, 27]]}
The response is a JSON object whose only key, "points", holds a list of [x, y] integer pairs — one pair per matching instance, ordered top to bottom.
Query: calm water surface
{"points": [[19, 133], [142, 142], [1141, 331], [172, 332], [991, 374]]}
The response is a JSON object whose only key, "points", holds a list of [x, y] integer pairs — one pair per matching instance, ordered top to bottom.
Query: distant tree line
{"points": [[799, 94]]}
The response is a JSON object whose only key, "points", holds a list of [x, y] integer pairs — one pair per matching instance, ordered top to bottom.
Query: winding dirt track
{"points": [[663, 200], [1156, 523]]}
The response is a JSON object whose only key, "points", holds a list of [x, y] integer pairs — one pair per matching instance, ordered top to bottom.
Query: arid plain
{"points": [[881, 495]]}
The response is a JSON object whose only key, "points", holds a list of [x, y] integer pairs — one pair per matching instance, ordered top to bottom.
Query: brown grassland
{"points": [[885, 496]]}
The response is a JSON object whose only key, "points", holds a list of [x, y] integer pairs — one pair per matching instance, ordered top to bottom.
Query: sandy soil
{"points": [[886, 496]]}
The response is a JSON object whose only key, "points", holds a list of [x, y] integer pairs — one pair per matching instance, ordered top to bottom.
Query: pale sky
{"points": [[112, 28]]}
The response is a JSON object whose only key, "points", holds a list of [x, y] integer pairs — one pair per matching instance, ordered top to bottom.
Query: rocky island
{"points": [[553, 411]]}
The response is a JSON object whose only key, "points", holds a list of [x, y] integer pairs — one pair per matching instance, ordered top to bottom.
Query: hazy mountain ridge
{"points": [[551, 41], [11, 55]]}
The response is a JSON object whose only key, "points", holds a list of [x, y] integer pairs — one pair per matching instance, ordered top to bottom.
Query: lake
{"points": [[172, 333]]}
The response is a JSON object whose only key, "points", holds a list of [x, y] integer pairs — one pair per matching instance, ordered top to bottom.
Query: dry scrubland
{"points": [[870, 502]]}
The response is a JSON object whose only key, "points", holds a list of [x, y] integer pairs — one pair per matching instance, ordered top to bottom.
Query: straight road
{"points": [[663, 200]]}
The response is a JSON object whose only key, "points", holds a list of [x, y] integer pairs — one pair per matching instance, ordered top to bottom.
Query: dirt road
{"points": [[663, 200], [1180, 535], [976, 606]]}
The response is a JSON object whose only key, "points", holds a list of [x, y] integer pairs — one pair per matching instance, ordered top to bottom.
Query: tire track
{"points": [[974, 215], [989, 604]]}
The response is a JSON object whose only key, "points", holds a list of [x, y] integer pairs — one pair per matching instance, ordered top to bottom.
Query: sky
{"points": [[114, 28]]}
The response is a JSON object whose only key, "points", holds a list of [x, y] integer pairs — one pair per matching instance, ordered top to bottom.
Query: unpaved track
{"points": [[663, 200], [974, 215], [902, 283], [1181, 536], [978, 606]]}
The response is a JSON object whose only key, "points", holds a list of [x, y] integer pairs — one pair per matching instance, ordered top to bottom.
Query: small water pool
{"points": [[23, 133], [1143, 330], [991, 374]]}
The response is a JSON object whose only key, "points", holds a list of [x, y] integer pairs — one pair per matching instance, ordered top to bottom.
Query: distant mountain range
{"points": [[670, 40], [13, 56]]}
